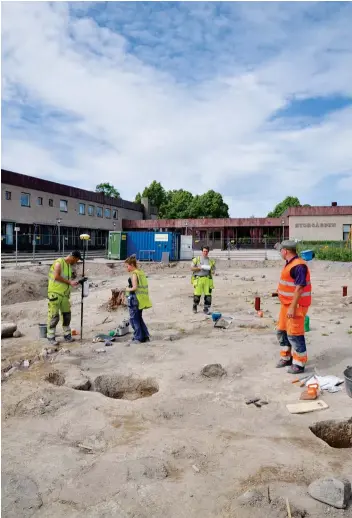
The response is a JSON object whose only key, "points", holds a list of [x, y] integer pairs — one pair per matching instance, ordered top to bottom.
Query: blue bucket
{"points": [[307, 255], [215, 316]]}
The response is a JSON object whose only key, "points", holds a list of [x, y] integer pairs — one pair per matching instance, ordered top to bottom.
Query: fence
{"points": [[26, 242], [244, 243]]}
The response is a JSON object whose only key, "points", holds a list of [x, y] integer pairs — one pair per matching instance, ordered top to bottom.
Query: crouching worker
{"points": [[203, 269], [59, 292], [137, 300]]}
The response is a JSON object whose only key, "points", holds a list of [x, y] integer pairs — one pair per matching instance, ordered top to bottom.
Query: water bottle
{"points": [[306, 324]]}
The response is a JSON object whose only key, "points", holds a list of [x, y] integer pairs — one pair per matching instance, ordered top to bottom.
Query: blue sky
{"points": [[251, 99]]}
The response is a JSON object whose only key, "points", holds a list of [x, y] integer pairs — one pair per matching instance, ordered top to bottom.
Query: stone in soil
{"points": [[213, 370], [332, 491]]}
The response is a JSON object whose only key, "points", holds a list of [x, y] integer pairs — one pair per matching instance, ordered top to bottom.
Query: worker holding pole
{"points": [[203, 269], [59, 292], [295, 294], [137, 300]]}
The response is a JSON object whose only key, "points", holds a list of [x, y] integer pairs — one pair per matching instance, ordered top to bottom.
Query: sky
{"points": [[253, 100]]}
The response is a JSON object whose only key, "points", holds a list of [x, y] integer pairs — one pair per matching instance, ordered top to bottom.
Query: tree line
{"points": [[182, 204]]}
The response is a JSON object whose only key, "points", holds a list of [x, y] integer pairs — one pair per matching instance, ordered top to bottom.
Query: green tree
{"points": [[108, 190], [155, 193], [289, 201], [177, 205], [209, 205]]}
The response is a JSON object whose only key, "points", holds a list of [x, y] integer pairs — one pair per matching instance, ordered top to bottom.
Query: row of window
{"points": [[91, 211]]}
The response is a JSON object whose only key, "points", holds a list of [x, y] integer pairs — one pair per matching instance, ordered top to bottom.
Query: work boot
{"points": [[194, 308], [206, 310], [69, 339], [53, 342], [283, 363], [295, 369]]}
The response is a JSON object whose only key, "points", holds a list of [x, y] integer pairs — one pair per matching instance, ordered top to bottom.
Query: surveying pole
{"points": [[85, 238]]}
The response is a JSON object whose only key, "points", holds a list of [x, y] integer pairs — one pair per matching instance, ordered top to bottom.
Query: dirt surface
{"points": [[140, 432]]}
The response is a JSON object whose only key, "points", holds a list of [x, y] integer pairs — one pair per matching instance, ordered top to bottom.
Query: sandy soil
{"points": [[193, 446]]}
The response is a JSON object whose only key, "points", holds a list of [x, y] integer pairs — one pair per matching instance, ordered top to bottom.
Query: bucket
{"points": [[307, 255], [43, 330], [348, 380]]}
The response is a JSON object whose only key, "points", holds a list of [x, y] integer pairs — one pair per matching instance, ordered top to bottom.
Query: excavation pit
{"points": [[125, 387], [337, 434]]}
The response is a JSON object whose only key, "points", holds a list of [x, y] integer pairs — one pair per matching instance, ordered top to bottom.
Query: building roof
{"points": [[31, 182], [330, 210], [204, 223]]}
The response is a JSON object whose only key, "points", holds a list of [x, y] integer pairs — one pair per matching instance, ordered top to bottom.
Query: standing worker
{"points": [[203, 270], [59, 292], [295, 294], [137, 300]]}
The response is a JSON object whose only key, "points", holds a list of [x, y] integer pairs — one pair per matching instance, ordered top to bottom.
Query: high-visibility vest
{"points": [[197, 261], [56, 286], [287, 287], [142, 292]]}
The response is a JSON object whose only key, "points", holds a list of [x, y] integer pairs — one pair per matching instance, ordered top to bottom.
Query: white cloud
{"points": [[126, 120]]}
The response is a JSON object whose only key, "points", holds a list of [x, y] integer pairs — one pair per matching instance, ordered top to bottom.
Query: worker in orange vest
{"points": [[295, 294]]}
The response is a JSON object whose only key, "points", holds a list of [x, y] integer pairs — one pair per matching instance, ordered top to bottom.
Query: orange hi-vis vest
{"points": [[287, 287]]}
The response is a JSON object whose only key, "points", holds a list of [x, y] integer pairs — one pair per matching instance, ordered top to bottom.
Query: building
{"points": [[51, 214], [331, 223], [222, 234]]}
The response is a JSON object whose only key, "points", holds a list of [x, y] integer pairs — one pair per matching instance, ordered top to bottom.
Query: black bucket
{"points": [[348, 380]]}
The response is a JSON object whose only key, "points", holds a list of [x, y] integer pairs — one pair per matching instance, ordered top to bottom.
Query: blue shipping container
{"points": [[149, 246]]}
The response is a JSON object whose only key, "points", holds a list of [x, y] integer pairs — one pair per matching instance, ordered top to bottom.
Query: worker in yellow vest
{"points": [[203, 269], [59, 292], [295, 294], [137, 300]]}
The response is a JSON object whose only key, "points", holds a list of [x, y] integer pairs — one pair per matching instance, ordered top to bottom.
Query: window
{"points": [[7, 195], [25, 199], [39, 200], [51, 203], [63, 205], [82, 208], [90, 210], [100, 212], [107, 213], [114, 214], [346, 229]]}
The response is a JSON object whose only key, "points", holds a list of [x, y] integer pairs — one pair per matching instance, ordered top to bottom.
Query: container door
{"points": [[161, 240], [123, 246], [186, 250]]}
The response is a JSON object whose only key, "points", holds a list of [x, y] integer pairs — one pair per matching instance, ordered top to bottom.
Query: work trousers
{"points": [[202, 286], [58, 305], [138, 325], [290, 333]]}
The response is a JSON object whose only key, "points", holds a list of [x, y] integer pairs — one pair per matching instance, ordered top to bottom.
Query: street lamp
{"points": [[58, 221]]}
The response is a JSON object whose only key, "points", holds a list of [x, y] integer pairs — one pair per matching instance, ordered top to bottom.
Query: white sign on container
{"points": [[162, 237]]}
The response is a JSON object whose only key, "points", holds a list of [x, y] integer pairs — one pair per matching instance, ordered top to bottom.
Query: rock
{"points": [[263, 276], [337, 322], [7, 329], [17, 334], [213, 370], [10, 372], [332, 491], [250, 498]]}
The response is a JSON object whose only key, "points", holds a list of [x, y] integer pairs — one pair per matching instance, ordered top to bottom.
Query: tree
{"points": [[108, 190], [155, 193], [289, 201], [177, 205], [209, 205]]}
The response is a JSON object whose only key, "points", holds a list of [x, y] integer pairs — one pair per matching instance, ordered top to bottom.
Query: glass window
{"points": [[7, 195], [25, 199], [39, 200], [51, 203], [63, 205], [82, 208], [90, 210], [100, 212], [107, 213], [114, 214], [346, 229]]}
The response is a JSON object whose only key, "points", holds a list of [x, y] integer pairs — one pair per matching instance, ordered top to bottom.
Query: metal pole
{"points": [[58, 229], [34, 245], [16, 246], [63, 246]]}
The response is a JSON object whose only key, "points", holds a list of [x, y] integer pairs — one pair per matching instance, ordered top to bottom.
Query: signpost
{"points": [[17, 229]]}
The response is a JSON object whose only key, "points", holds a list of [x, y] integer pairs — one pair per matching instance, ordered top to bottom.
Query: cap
{"points": [[288, 244], [76, 254]]}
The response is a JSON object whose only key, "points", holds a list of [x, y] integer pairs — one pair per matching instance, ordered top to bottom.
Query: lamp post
{"points": [[58, 221], [17, 229], [283, 229], [84, 238]]}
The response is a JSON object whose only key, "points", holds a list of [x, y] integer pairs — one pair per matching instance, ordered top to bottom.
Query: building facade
{"points": [[53, 215], [331, 223]]}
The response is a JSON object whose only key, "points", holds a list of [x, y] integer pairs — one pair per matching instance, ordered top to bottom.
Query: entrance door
{"points": [[9, 233], [186, 250]]}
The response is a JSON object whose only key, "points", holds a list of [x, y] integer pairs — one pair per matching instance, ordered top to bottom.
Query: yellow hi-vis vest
{"points": [[196, 262], [56, 286], [141, 292]]}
